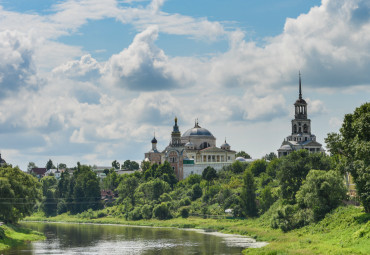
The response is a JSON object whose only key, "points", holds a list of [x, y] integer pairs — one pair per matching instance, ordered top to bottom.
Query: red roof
{"points": [[38, 171]]}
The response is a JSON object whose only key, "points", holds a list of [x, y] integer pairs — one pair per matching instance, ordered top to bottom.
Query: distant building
{"points": [[301, 137], [192, 152], [2, 161], [38, 172]]}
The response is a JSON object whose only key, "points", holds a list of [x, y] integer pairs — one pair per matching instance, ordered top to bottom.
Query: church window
{"points": [[295, 128], [305, 128], [305, 138], [228, 157]]}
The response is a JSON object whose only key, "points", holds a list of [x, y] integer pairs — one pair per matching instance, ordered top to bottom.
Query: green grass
{"points": [[344, 231], [12, 235]]}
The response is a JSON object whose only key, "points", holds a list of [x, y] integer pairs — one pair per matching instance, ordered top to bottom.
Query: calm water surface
{"points": [[65, 238]]}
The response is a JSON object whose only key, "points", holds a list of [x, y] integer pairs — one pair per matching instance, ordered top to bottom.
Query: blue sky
{"points": [[91, 80]]}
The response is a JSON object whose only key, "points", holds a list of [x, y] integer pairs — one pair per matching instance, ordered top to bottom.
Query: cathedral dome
{"points": [[197, 131], [154, 140], [286, 147]]}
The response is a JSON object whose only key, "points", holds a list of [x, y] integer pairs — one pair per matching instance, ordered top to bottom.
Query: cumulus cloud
{"points": [[142, 66], [16, 67], [87, 68]]}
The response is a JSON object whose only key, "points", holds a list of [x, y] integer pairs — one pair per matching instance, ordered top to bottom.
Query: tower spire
{"points": [[300, 86]]}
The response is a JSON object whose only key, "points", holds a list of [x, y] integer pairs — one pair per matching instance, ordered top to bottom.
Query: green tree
{"points": [[352, 147], [243, 154], [270, 156], [115, 164], [50, 165], [30, 166], [62, 166], [258, 166], [238, 167], [293, 169], [209, 174], [111, 181], [47, 183], [127, 187], [22, 192], [321, 192], [248, 195], [266, 199], [161, 211]]}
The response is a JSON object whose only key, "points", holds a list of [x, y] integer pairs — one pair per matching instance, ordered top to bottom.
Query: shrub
{"points": [[196, 191], [321, 192], [165, 197], [185, 201], [161, 211], [146, 212], [184, 212], [135, 214]]}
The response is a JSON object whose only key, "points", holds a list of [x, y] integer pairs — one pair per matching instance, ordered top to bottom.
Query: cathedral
{"points": [[301, 137], [191, 152]]}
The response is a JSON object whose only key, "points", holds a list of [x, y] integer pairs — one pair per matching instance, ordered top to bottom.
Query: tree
{"points": [[352, 147], [243, 154], [270, 156], [115, 164], [50, 165], [130, 165], [30, 166], [62, 166], [258, 166], [238, 167], [293, 169], [209, 174], [111, 181], [127, 187], [321, 192], [19, 193], [248, 195], [266, 199], [161, 211]]}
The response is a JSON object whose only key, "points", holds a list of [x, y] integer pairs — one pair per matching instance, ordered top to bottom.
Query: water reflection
{"points": [[115, 239]]}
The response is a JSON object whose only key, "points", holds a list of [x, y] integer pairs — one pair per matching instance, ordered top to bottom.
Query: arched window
{"points": [[295, 128], [305, 128], [204, 145]]}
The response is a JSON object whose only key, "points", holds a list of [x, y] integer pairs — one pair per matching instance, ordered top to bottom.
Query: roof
{"points": [[197, 131], [215, 149], [40, 171]]}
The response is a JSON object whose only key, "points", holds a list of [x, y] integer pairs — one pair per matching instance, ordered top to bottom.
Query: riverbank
{"points": [[344, 231], [11, 235]]}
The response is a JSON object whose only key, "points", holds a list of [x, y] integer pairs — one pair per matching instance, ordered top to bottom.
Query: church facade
{"points": [[301, 136], [192, 152]]}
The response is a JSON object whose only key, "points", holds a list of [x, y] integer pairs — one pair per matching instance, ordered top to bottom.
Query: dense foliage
{"points": [[351, 147], [19, 193]]}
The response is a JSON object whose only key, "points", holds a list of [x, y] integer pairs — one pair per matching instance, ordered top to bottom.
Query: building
{"points": [[301, 136], [192, 152], [2, 161], [38, 172]]}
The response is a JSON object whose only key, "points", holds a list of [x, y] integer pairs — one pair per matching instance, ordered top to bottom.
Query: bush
{"points": [[258, 166], [196, 192], [321, 192], [165, 198], [185, 201], [161, 211], [146, 212], [184, 212], [135, 214]]}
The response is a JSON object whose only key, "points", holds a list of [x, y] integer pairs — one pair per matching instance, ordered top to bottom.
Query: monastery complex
{"points": [[196, 149]]}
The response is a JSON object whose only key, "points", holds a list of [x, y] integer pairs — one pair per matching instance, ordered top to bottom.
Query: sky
{"points": [[90, 81]]}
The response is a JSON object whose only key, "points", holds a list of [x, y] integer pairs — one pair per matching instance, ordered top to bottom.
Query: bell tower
{"points": [[300, 124], [176, 135]]}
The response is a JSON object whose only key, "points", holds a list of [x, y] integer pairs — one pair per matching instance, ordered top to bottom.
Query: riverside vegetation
{"points": [[295, 202]]}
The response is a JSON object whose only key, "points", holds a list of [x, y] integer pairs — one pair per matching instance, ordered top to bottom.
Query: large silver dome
{"points": [[197, 131]]}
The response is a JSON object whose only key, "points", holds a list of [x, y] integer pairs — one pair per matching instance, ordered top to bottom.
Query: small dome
{"points": [[300, 101], [154, 140], [189, 144], [225, 145], [286, 147], [241, 159], [146, 160]]}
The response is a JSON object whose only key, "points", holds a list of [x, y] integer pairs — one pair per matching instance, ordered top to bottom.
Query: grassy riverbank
{"points": [[344, 231], [11, 235]]}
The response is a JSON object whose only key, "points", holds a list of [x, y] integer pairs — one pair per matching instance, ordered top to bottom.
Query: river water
{"points": [[64, 238]]}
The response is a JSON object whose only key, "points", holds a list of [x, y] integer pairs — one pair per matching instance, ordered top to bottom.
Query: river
{"points": [[65, 238]]}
